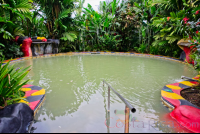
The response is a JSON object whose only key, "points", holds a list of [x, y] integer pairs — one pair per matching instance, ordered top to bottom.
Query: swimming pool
{"points": [[76, 100]]}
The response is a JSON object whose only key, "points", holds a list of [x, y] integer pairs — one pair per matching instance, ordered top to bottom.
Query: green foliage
{"points": [[12, 15], [57, 18], [156, 24], [35, 25], [170, 30], [18, 31], [6, 34], [69, 36], [109, 42], [141, 49], [154, 50], [13, 51], [195, 53], [196, 58], [10, 83]]}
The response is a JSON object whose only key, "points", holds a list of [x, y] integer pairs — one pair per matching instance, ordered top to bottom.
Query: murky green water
{"points": [[77, 102]]}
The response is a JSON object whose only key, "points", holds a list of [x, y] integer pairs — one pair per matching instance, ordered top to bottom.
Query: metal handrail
{"points": [[122, 98], [128, 107]]}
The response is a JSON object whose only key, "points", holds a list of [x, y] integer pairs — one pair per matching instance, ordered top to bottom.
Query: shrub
{"points": [[10, 83]]}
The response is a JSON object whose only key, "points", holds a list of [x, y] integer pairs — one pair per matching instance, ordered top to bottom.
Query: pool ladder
{"points": [[128, 107]]}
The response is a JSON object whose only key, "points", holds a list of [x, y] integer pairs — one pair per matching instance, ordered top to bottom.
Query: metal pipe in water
{"points": [[184, 77]]}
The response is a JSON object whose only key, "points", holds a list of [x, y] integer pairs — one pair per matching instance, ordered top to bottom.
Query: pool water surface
{"points": [[76, 100]]}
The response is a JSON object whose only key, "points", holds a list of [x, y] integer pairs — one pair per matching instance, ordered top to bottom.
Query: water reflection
{"points": [[77, 102]]}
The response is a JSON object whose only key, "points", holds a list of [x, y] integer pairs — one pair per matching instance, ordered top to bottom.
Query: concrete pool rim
{"points": [[101, 53]]}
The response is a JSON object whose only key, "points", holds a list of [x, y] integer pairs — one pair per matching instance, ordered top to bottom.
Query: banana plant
{"points": [[100, 23]]}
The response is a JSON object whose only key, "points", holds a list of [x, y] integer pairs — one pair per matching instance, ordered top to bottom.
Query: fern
{"points": [[23, 7], [6, 14], [19, 14], [64, 14], [28, 15], [158, 23], [18, 31], [6, 34], [69, 36], [157, 36], [172, 39], [159, 42]]}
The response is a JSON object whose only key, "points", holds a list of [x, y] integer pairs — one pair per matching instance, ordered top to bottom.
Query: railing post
{"points": [[108, 99], [127, 115], [108, 122]]}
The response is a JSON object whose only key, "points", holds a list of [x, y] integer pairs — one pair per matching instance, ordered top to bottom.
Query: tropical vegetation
{"points": [[145, 26]]}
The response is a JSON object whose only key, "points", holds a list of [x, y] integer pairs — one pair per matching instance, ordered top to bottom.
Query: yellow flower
{"points": [[91, 16], [40, 38], [20, 45]]}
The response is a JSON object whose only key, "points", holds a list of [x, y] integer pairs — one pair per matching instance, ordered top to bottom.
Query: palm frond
{"points": [[23, 7], [64, 14], [18, 31], [69, 36], [172, 39], [159, 42]]}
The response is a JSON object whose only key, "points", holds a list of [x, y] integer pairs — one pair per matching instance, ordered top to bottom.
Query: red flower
{"points": [[197, 12], [168, 18], [185, 19], [197, 32], [190, 37], [44, 40]]}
